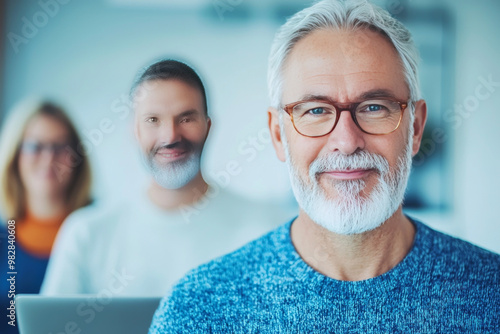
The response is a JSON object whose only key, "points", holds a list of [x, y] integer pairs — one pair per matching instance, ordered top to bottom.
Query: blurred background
{"points": [[85, 55]]}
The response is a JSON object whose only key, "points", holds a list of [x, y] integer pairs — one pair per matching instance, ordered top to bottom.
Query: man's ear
{"points": [[135, 125], [209, 125], [419, 125], [274, 129]]}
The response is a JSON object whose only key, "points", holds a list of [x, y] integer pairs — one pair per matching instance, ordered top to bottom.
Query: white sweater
{"points": [[137, 249]]}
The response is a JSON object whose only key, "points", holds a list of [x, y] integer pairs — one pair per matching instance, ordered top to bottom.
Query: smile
{"points": [[170, 154], [353, 174]]}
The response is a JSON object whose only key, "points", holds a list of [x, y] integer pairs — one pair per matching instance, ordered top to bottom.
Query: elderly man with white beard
{"points": [[346, 117], [142, 245]]}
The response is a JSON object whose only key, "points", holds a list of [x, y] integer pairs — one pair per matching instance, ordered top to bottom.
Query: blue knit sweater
{"points": [[444, 285]]}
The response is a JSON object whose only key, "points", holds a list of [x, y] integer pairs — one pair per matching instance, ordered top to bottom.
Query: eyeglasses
{"points": [[318, 118], [36, 148]]}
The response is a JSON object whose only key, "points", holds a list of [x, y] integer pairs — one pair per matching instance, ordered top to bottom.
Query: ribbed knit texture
{"points": [[444, 285]]}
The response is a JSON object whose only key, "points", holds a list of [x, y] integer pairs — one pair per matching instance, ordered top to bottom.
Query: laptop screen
{"points": [[82, 314]]}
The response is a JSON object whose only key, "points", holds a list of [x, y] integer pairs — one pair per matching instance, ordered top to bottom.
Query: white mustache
{"points": [[340, 162]]}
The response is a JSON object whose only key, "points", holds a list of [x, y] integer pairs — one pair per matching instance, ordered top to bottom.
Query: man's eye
{"points": [[374, 107], [316, 111], [188, 119], [152, 120]]}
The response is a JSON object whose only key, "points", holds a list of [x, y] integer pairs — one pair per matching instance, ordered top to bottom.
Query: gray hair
{"points": [[347, 15]]}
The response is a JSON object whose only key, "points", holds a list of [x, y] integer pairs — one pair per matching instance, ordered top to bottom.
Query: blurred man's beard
{"points": [[176, 174], [352, 211]]}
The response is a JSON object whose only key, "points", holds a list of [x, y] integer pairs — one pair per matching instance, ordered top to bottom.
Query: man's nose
{"points": [[169, 133], [347, 137]]}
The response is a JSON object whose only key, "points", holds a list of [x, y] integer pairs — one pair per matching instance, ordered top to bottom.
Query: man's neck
{"points": [[173, 199], [353, 257]]}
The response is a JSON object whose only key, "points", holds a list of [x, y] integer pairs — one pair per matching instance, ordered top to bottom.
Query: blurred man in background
{"points": [[346, 117], [143, 246]]}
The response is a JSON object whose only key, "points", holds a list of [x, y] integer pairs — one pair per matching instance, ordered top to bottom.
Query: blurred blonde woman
{"points": [[43, 178]]}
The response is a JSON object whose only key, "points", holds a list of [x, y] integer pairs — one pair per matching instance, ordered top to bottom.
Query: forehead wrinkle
{"points": [[317, 67], [346, 74], [340, 79], [339, 88]]}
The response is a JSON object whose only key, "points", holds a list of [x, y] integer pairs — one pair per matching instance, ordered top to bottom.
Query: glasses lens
{"points": [[378, 116], [313, 118], [30, 147], [36, 148], [59, 148]]}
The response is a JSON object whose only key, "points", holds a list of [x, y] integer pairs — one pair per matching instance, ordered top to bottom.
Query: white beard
{"points": [[176, 174], [351, 213]]}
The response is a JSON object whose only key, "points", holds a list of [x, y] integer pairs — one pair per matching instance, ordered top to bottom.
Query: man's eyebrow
{"points": [[377, 93], [313, 97], [189, 112], [149, 113]]}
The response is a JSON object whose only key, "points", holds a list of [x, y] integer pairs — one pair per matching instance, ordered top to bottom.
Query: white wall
{"points": [[477, 138]]}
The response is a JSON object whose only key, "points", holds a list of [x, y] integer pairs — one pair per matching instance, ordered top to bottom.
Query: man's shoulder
{"points": [[94, 217], [458, 254], [243, 262], [228, 281]]}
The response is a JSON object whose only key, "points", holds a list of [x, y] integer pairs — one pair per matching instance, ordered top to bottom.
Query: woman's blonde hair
{"points": [[12, 192]]}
